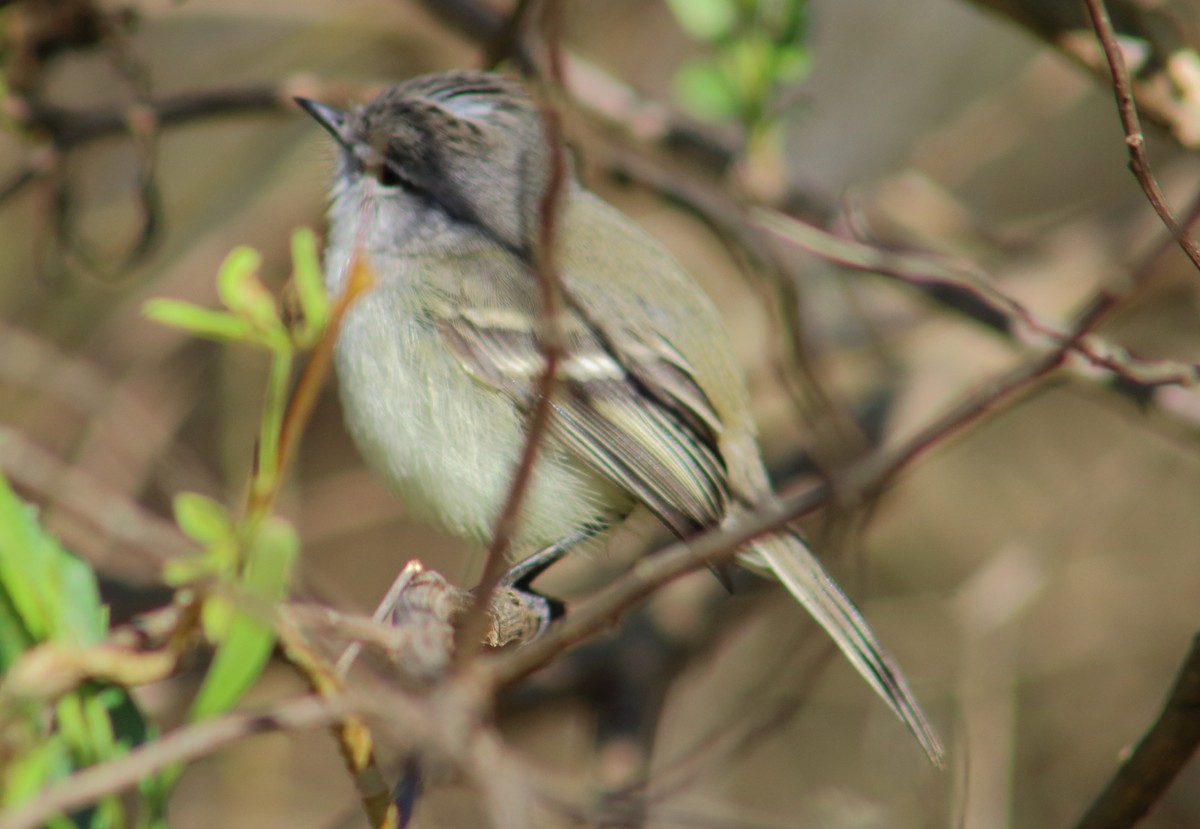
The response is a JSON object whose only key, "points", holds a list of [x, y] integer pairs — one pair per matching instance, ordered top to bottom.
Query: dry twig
{"points": [[1135, 140], [550, 341], [1159, 757]]}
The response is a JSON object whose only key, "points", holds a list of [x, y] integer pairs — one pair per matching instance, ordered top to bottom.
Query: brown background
{"points": [[1036, 576]]}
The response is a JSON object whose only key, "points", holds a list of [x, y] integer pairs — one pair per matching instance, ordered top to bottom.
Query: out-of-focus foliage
{"points": [[754, 49], [252, 553], [51, 613]]}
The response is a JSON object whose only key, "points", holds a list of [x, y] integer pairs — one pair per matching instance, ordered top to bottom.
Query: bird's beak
{"points": [[333, 120]]}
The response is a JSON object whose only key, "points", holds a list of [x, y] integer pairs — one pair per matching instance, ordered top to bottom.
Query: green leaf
{"points": [[706, 20], [748, 63], [792, 63], [705, 92], [235, 274], [310, 285], [242, 292], [200, 322], [201, 518], [271, 558], [25, 575], [53, 593], [49, 595], [216, 614], [84, 617], [14, 638], [247, 645], [72, 724], [27, 774]]}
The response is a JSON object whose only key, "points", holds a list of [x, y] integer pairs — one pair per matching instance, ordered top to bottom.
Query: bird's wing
{"points": [[657, 444]]}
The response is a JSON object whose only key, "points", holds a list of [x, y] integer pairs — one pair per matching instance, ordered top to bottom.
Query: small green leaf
{"points": [[706, 20], [748, 63], [792, 63], [705, 92], [235, 273], [310, 285], [242, 292], [200, 322], [201, 518], [25, 576], [49, 595], [216, 614], [14, 638], [246, 647], [73, 726], [28, 773]]}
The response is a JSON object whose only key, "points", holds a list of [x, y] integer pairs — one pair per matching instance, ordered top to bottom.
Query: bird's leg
{"points": [[522, 613]]}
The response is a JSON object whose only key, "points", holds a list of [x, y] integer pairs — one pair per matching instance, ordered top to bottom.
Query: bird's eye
{"points": [[388, 176]]}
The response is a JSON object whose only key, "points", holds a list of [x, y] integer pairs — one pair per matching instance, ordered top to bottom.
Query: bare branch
{"points": [[1162, 35], [1135, 140], [927, 272], [551, 344], [182, 745], [1163, 751]]}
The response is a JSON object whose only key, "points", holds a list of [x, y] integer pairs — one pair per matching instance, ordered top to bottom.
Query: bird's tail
{"points": [[789, 559]]}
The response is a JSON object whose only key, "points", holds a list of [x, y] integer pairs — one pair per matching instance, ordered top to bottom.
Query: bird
{"points": [[438, 184]]}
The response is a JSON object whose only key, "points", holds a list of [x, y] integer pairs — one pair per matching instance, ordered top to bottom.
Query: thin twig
{"points": [[507, 40], [70, 127], [67, 128], [1135, 140], [926, 273], [551, 345], [318, 366], [354, 738], [355, 741], [186, 743], [1166, 748]]}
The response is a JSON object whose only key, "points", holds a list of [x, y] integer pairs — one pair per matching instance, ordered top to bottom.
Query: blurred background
{"points": [[1035, 575]]}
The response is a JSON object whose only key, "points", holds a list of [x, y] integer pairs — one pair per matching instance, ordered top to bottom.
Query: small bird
{"points": [[438, 183]]}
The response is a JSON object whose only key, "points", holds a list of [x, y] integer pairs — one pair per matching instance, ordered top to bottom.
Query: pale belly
{"points": [[447, 444]]}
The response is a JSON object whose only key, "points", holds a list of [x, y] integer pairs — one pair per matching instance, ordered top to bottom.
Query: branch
{"points": [[1165, 85], [67, 128], [1135, 141], [933, 275], [551, 344], [187, 743], [1166, 748]]}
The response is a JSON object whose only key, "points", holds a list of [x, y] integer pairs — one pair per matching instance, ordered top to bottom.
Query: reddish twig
{"points": [[1135, 140], [543, 268], [926, 273]]}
